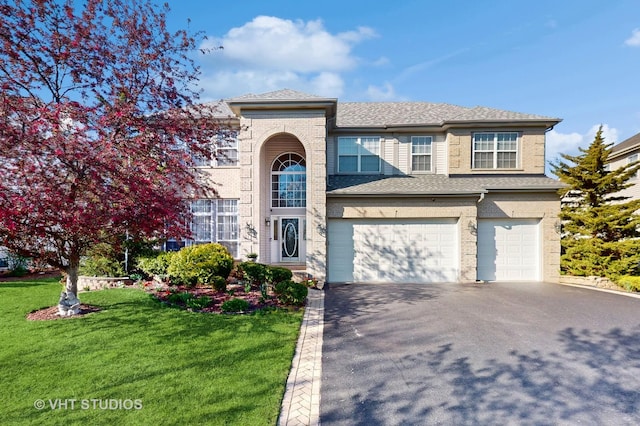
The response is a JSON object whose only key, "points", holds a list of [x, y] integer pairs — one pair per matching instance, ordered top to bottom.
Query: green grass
{"points": [[184, 367]]}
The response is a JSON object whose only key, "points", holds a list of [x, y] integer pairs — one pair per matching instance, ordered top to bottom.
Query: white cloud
{"points": [[634, 40], [271, 53], [380, 94], [609, 134], [565, 143], [568, 143]]}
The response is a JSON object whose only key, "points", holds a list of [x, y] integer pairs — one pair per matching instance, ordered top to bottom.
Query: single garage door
{"points": [[509, 249], [400, 251]]}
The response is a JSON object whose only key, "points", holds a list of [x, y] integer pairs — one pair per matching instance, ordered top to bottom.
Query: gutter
{"points": [[404, 195]]}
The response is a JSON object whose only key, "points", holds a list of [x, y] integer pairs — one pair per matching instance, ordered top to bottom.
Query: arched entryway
{"points": [[284, 199]]}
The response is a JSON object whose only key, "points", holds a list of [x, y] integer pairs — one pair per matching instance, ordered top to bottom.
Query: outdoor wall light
{"points": [[267, 221], [557, 226], [472, 227]]}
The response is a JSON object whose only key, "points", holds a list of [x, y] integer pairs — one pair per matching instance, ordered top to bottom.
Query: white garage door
{"points": [[509, 249], [400, 251]]}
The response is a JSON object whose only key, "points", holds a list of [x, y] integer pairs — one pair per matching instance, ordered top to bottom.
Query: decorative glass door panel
{"points": [[290, 239]]}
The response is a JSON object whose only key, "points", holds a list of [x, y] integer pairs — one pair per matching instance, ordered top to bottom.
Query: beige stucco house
{"points": [[384, 192]]}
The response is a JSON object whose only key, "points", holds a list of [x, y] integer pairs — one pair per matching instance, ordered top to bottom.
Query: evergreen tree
{"points": [[600, 226]]}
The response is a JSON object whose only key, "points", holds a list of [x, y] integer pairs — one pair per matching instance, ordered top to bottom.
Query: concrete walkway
{"points": [[301, 402]]}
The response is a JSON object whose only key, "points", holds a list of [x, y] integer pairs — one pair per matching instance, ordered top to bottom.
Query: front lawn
{"points": [[139, 362]]}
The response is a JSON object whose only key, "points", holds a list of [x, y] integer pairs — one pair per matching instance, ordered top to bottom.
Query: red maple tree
{"points": [[97, 123]]}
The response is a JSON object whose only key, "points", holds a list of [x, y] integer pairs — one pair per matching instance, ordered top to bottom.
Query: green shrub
{"points": [[593, 256], [102, 260], [199, 264], [18, 265], [155, 265], [100, 266], [256, 273], [278, 274], [219, 283], [629, 283], [291, 293], [180, 298], [198, 303], [235, 305]]}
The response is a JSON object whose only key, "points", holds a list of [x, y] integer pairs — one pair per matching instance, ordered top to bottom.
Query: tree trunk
{"points": [[72, 277]]}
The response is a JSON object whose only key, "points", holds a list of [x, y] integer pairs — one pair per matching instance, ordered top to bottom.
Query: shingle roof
{"points": [[278, 95], [220, 109], [372, 114], [387, 114], [392, 114], [626, 144], [379, 185]]}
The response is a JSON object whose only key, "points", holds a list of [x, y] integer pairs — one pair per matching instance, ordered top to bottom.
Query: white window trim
{"points": [[217, 150], [495, 151], [411, 154], [359, 155], [632, 159], [303, 163], [213, 216]]}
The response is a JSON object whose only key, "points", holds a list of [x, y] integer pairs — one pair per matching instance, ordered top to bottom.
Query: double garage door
{"points": [[399, 251], [428, 251]]}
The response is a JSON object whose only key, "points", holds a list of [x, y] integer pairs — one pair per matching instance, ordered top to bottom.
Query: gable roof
{"points": [[278, 95], [626, 145], [433, 184]]}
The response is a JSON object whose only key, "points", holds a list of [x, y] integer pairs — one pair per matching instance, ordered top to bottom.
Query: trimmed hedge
{"points": [[199, 264], [155, 266], [259, 273], [291, 293]]}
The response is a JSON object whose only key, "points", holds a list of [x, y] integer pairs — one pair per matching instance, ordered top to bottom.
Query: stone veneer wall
{"points": [[101, 283]]}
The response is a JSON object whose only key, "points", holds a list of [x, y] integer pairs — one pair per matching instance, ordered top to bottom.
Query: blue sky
{"points": [[578, 60]]}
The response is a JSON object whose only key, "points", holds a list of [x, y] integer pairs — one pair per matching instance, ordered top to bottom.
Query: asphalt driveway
{"points": [[499, 353]]}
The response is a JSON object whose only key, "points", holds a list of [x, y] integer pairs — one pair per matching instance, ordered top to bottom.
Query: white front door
{"points": [[288, 244]]}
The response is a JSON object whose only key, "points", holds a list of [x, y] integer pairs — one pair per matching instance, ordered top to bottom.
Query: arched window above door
{"points": [[289, 181]]}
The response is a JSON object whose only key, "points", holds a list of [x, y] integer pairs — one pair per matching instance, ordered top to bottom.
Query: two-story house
{"points": [[623, 153], [384, 192]]}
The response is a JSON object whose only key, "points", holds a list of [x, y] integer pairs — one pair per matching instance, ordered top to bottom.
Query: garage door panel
{"points": [[508, 249], [393, 251]]}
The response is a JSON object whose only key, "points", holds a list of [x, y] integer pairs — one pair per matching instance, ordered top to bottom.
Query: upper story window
{"points": [[497, 150], [224, 151], [421, 153], [359, 154], [632, 159], [289, 181]]}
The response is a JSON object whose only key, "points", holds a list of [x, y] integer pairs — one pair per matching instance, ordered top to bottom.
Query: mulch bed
{"points": [[162, 293], [254, 297], [51, 313]]}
